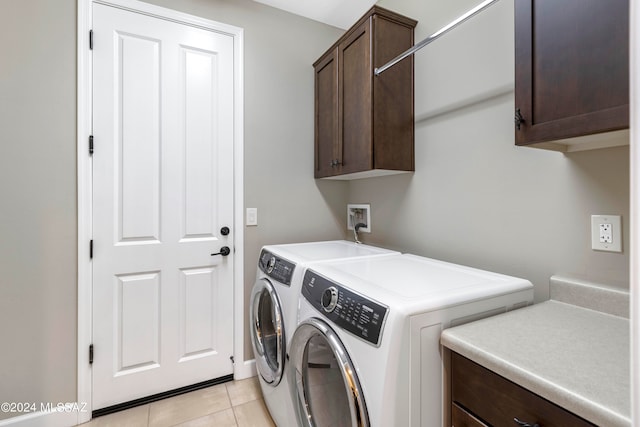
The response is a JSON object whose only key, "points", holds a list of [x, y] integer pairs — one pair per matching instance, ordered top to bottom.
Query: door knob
{"points": [[224, 231], [224, 251]]}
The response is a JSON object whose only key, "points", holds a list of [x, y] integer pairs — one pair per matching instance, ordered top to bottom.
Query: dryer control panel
{"points": [[275, 267], [357, 314]]}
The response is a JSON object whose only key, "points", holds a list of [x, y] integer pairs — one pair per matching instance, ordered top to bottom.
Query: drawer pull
{"points": [[523, 424]]}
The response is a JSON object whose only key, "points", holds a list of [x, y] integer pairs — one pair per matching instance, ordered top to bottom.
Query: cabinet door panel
{"points": [[572, 64], [355, 100], [327, 143], [497, 400]]}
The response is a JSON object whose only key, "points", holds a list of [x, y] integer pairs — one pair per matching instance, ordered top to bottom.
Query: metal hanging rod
{"points": [[450, 26]]}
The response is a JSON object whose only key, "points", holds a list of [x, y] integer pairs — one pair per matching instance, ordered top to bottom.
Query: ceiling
{"points": [[339, 13]]}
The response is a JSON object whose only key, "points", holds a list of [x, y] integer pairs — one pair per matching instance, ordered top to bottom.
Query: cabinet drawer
{"points": [[497, 401], [461, 418]]}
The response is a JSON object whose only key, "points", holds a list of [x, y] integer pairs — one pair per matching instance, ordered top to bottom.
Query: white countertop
{"points": [[576, 357]]}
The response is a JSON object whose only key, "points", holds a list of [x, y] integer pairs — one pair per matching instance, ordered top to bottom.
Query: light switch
{"points": [[252, 216]]}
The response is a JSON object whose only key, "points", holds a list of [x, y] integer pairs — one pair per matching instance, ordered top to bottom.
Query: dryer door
{"points": [[267, 332], [323, 380]]}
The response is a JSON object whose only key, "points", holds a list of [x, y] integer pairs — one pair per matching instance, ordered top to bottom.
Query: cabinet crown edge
{"points": [[374, 11]]}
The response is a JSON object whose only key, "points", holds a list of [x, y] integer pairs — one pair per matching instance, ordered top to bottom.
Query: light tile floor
{"points": [[233, 404]]}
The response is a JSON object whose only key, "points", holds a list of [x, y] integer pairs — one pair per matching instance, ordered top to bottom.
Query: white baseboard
{"points": [[246, 369], [43, 419]]}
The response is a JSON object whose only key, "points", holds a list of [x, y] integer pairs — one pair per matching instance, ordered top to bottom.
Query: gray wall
{"points": [[475, 198], [38, 211]]}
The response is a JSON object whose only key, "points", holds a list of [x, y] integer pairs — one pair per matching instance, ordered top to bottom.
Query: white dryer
{"points": [[274, 307], [367, 350]]}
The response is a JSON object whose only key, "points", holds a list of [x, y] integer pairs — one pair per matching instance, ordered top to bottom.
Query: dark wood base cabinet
{"points": [[479, 397]]}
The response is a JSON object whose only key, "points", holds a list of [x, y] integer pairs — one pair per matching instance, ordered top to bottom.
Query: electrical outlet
{"points": [[359, 214], [606, 233]]}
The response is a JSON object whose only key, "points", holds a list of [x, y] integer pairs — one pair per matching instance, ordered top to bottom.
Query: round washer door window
{"points": [[267, 332], [323, 380]]}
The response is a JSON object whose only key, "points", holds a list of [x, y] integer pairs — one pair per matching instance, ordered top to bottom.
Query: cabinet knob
{"points": [[335, 162], [524, 424]]}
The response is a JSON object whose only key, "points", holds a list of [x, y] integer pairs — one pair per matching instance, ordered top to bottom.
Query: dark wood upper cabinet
{"points": [[571, 69], [364, 124]]}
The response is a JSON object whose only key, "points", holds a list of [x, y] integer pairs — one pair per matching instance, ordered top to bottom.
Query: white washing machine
{"points": [[274, 308], [366, 351]]}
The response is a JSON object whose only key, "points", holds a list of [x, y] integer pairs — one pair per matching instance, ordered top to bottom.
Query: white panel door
{"points": [[163, 189]]}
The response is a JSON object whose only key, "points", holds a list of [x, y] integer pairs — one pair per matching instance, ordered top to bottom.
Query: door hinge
{"points": [[90, 39], [90, 144], [91, 249], [91, 354]]}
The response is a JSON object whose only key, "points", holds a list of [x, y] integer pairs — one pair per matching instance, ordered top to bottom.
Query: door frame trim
{"points": [[242, 368]]}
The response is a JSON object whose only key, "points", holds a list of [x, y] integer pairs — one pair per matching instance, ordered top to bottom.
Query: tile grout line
{"points": [[233, 410]]}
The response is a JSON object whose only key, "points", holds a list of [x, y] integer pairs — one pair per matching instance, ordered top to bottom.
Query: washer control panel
{"points": [[275, 267], [349, 310]]}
